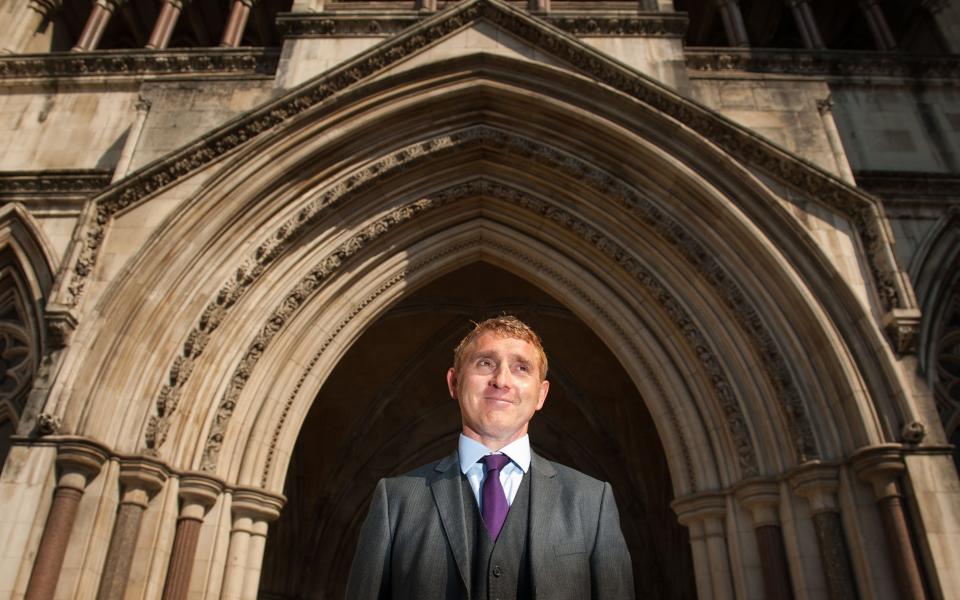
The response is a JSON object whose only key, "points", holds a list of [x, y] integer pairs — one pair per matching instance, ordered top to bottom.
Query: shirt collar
{"points": [[471, 451]]}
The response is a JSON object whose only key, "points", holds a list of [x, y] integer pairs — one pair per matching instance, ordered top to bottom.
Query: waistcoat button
{"points": [[496, 571]]}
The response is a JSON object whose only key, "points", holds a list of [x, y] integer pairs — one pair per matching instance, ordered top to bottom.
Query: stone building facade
{"points": [[238, 241]]}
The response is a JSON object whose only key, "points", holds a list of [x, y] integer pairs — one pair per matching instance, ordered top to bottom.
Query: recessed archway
{"points": [[384, 410]]}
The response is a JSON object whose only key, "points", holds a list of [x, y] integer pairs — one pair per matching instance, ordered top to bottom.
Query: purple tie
{"points": [[495, 505]]}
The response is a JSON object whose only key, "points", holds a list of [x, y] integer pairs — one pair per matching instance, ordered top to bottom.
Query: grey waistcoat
{"points": [[501, 569]]}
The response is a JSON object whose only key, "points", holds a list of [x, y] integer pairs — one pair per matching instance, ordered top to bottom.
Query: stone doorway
{"points": [[385, 410]]}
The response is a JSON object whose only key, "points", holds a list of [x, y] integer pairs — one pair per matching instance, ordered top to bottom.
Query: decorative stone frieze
{"points": [[584, 23], [206, 63], [829, 63], [53, 182]]}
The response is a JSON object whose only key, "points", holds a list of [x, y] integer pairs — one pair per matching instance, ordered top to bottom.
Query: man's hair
{"points": [[504, 326]]}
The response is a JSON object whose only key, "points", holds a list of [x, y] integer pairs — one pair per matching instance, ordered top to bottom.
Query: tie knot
{"points": [[495, 462]]}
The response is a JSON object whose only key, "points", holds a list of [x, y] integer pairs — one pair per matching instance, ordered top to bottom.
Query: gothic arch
{"points": [[281, 198]]}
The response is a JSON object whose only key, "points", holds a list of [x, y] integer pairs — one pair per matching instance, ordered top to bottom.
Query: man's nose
{"points": [[500, 377]]}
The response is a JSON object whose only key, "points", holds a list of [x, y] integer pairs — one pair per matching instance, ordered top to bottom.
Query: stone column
{"points": [[425, 5], [538, 6], [946, 16], [236, 23], [733, 23], [96, 24], [806, 24], [879, 28], [162, 30], [18, 32], [825, 108], [133, 138], [78, 462], [881, 466], [140, 479], [818, 483], [198, 492], [762, 499], [252, 510], [704, 514]]}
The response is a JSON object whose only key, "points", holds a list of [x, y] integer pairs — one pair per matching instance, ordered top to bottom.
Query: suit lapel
{"points": [[544, 490], [448, 494]]}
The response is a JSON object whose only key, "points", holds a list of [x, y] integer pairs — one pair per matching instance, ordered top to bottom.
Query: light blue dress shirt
{"points": [[471, 451]]}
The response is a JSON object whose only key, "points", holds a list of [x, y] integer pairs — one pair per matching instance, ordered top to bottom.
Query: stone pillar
{"points": [[425, 5], [538, 6], [946, 16], [236, 23], [733, 23], [96, 24], [806, 24], [879, 28], [20, 29], [162, 30], [825, 108], [133, 138], [78, 462], [881, 466], [140, 479], [818, 483], [198, 492], [762, 499], [252, 510], [704, 515]]}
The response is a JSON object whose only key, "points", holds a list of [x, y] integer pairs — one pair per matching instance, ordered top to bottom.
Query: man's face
{"points": [[498, 388]]}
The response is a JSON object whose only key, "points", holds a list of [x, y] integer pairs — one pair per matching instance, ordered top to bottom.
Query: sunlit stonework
{"points": [[239, 241]]}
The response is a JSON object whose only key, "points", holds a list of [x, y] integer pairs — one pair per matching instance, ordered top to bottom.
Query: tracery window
{"points": [[19, 356], [946, 384]]}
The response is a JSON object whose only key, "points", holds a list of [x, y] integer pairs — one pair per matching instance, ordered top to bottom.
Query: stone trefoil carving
{"points": [[749, 147]]}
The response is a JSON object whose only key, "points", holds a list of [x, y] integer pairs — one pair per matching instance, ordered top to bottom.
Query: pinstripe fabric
{"points": [[415, 542]]}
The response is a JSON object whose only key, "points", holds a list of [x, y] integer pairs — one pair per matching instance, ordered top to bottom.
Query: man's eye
{"points": [[484, 363], [523, 368]]}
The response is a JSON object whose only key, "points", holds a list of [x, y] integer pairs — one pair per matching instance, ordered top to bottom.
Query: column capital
{"points": [[47, 8], [79, 460], [880, 466], [141, 477], [818, 483], [198, 492], [761, 496], [257, 504], [699, 507]]}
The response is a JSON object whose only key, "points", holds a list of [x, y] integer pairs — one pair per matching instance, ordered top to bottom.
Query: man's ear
{"points": [[452, 382], [544, 388]]}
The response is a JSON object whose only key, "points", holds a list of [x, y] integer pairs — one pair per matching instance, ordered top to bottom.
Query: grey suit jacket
{"points": [[414, 545]]}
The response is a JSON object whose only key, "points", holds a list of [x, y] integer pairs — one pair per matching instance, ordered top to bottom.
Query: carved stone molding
{"points": [[583, 23], [826, 63], [139, 64], [741, 143], [82, 182], [902, 186], [639, 205], [61, 323], [737, 424], [880, 466], [257, 504]]}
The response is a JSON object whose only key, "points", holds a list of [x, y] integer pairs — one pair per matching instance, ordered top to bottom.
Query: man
{"points": [[493, 519]]}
